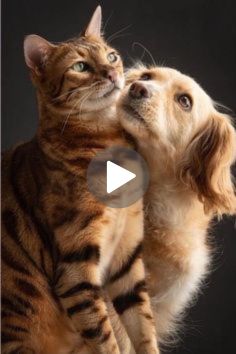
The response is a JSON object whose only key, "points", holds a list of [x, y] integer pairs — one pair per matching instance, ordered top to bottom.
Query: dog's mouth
{"points": [[133, 113]]}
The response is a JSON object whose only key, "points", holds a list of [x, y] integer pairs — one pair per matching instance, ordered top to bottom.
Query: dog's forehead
{"points": [[137, 71], [168, 76], [181, 82]]}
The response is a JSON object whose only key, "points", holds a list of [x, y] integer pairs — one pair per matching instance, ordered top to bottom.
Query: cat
{"points": [[189, 147], [59, 244]]}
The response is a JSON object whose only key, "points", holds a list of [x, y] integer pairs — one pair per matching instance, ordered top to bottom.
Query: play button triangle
{"points": [[117, 176]]}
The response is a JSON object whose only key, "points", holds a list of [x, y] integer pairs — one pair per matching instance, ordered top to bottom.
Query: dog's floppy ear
{"points": [[206, 165]]}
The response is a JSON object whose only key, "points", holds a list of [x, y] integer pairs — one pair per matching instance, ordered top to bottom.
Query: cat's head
{"points": [[80, 75]]}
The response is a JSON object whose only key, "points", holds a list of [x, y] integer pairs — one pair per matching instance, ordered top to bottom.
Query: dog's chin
{"points": [[133, 114], [132, 122]]}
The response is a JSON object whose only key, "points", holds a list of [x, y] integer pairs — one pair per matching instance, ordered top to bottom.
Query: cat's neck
{"points": [[50, 115], [66, 136]]}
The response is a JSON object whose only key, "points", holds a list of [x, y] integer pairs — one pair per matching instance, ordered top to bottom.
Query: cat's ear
{"points": [[95, 24], [36, 50]]}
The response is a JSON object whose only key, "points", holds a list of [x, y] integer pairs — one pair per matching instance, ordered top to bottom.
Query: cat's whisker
{"points": [[108, 19], [118, 32], [119, 36], [145, 50], [92, 85], [89, 87], [78, 89], [82, 89], [65, 94], [72, 95], [84, 100], [80, 101], [74, 107], [70, 113], [66, 120]]}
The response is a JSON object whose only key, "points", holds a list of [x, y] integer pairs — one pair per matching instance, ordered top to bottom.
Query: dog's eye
{"points": [[145, 77], [185, 101]]}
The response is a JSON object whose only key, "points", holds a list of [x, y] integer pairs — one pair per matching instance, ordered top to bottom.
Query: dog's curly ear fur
{"points": [[206, 165]]}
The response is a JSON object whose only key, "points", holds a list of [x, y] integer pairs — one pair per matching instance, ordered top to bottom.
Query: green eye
{"points": [[112, 57], [80, 67]]}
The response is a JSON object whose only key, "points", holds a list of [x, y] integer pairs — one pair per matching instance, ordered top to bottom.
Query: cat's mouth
{"points": [[114, 88], [105, 92]]}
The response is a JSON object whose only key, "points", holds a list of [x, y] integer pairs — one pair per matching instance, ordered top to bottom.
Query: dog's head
{"points": [[164, 107]]}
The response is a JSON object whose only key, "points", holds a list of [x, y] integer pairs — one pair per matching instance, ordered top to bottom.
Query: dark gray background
{"points": [[197, 37]]}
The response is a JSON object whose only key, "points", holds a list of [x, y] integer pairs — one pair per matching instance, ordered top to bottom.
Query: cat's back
{"points": [[6, 159], [13, 160], [6, 175], [18, 192]]}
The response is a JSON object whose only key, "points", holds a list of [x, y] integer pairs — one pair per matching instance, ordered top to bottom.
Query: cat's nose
{"points": [[110, 74], [138, 90]]}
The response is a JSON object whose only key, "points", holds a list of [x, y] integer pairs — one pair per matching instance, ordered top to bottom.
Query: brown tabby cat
{"points": [[59, 244]]}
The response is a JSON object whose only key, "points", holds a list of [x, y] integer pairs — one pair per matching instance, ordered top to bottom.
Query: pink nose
{"points": [[110, 74], [138, 90]]}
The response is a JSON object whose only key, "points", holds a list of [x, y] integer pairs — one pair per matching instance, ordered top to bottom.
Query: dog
{"points": [[189, 147]]}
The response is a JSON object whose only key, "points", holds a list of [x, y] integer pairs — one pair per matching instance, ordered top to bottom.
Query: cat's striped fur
{"points": [[60, 245]]}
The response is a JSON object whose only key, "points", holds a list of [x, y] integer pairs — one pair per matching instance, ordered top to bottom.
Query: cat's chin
{"points": [[102, 102]]}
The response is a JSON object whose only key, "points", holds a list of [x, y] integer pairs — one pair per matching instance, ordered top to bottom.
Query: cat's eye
{"points": [[112, 57], [80, 66], [145, 76], [185, 101]]}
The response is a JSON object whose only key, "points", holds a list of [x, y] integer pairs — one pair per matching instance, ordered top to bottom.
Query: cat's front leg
{"points": [[127, 287], [79, 289], [132, 303]]}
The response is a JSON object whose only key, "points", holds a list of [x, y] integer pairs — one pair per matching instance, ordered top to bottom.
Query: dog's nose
{"points": [[110, 74], [138, 90]]}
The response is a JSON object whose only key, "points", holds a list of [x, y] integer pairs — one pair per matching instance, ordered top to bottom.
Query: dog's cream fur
{"points": [[189, 154]]}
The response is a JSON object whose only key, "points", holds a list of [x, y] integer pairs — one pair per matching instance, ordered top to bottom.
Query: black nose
{"points": [[138, 90]]}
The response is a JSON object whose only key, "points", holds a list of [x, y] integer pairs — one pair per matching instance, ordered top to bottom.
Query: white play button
{"points": [[117, 176]]}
